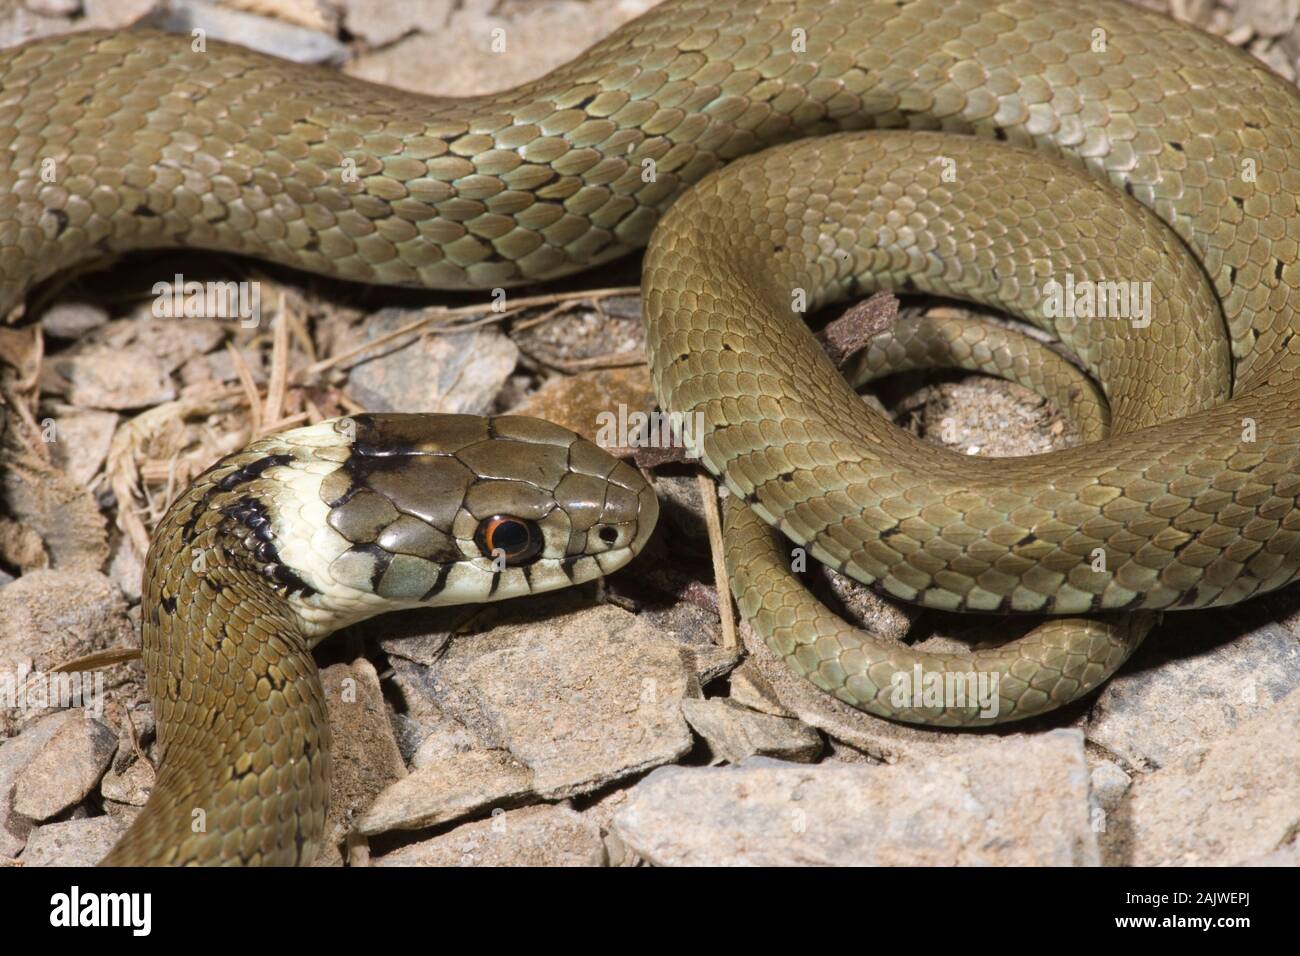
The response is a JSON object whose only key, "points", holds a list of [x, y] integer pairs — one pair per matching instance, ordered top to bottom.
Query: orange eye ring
{"points": [[518, 540]]}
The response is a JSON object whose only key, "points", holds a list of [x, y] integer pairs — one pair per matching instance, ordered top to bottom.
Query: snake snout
{"points": [[612, 509]]}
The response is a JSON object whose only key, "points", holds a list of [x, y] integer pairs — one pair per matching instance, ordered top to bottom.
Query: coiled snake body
{"points": [[1189, 502]]}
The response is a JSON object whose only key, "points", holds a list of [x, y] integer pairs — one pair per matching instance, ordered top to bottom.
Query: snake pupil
{"points": [[515, 538]]}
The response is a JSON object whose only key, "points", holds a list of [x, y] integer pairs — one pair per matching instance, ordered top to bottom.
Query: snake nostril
{"points": [[609, 535]]}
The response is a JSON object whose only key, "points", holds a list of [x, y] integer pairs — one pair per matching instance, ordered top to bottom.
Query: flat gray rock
{"points": [[380, 22], [266, 34], [537, 37], [71, 320], [459, 373], [92, 375], [81, 441], [55, 616], [1189, 686], [750, 688], [581, 695], [599, 701], [734, 732], [15, 755], [364, 756], [67, 768], [1109, 784], [130, 786], [457, 786], [1021, 802], [1238, 802], [531, 836], [73, 842]]}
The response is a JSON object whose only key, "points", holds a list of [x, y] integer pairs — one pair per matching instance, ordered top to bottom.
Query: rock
{"points": [[54, 8], [116, 14], [319, 15], [1267, 18], [380, 22], [18, 25], [255, 32], [536, 40], [71, 320], [583, 332], [170, 342], [127, 363], [224, 365], [458, 373], [99, 376], [576, 401], [81, 441], [681, 511], [71, 531], [21, 548], [126, 567], [57, 616], [708, 660], [1189, 686], [750, 688], [581, 695], [429, 732], [734, 732], [410, 733], [441, 743], [15, 755], [364, 757], [66, 770], [1109, 784], [130, 786], [457, 786], [1019, 802], [1238, 802], [599, 811], [531, 836], [73, 842], [1288, 856]]}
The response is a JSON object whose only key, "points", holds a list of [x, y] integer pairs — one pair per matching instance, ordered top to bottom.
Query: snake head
{"points": [[395, 510]]}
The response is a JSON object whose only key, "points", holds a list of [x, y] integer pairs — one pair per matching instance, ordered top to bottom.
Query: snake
{"points": [[775, 156]]}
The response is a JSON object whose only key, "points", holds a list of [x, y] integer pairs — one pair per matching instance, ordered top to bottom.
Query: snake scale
{"points": [[970, 148]]}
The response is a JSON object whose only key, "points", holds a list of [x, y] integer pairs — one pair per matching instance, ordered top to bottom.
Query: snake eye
{"points": [[517, 539]]}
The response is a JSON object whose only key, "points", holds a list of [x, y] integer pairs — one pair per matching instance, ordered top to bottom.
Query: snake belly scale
{"points": [[1035, 139]]}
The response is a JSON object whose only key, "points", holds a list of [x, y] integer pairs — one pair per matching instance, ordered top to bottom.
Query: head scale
{"points": [[450, 509]]}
